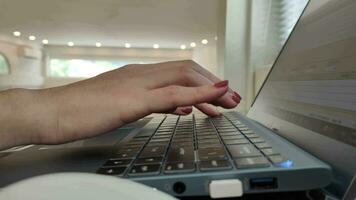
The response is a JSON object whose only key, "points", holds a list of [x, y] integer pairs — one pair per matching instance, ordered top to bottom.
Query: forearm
{"points": [[24, 115]]}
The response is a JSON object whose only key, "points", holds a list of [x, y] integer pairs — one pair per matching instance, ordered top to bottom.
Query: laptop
{"points": [[300, 133]]}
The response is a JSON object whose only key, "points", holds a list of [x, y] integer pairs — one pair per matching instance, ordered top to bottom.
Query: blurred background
{"points": [[47, 43]]}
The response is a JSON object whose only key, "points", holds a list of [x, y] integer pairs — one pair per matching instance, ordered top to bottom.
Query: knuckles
{"points": [[186, 72], [172, 91], [172, 95]]}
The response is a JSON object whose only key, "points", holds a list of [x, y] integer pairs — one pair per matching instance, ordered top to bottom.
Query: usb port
{"points": [[263, 183]]}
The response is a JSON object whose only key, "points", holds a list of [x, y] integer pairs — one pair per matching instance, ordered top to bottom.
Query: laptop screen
{"points": [[309, 96]]}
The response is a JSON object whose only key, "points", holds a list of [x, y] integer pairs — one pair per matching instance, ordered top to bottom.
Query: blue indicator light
{"points": [[286, 164]]}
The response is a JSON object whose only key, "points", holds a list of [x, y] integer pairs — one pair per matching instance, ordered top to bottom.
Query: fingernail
{"points": [[221, 84], [236, 94], [235, 98], [187, 110], [218, 113]]}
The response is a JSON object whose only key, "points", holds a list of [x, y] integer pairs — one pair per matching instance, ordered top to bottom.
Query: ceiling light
{"points": [[17, 33], [31, 37], [216, 38], [45, 41], [204, 41], [70, 44], [98, 44], [192, 44], [127, 45], [156, 46], [183, 47]]}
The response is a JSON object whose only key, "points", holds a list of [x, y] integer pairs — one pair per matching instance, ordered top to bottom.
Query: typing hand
{"points": [[96, 105]]}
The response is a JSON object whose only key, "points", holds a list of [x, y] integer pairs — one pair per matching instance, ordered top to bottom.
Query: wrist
{"points": [[27, 115]]}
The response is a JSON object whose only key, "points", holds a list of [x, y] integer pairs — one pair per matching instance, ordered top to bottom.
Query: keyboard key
{"points": [[226, 125], [238, 125], [204, 128], [149, 129], [164, 129], [244, 129], [227, 130], [184, 131], [248, 132], [163, 133], [205, 133], [230, 134], [253, 135], [183, 136], [161, 137], [208, 137], [232, 137], [141, 139], [163, 140], [185, 140], [257, 140], [137, 141], [211, 141], [238, 141], [155, 144], [182, 144], [210, 145], [262, 145], [126, 149], [244, 150], [153, 151], [269, 152], [211, 153], [181, 154], [124, 155], [277, 159], [149, 160], [117, 162], [251, 162], [209, 165], [179, 167], [145, 169], [111, 170]]}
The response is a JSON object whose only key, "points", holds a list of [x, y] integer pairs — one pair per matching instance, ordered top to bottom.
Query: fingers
{"points": [[189, 65], [210, 76], [188, 77], [170, 97], [228, 100], [208, 109], [185, 110]]}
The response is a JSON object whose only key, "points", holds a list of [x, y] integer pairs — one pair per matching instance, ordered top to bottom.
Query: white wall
{"points": [[220, 45], [237, 50], [150, 55], [205, 55], [211, 56], [24, 72]]}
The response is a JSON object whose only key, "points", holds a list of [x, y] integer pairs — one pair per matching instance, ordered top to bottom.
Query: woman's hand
{"points": [[96, 105]]}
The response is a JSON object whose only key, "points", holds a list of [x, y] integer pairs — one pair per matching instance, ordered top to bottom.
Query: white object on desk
{"points": [[75, 186]]}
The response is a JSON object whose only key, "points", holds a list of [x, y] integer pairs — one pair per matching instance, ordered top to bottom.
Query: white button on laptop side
{"points": [[225, 188]]}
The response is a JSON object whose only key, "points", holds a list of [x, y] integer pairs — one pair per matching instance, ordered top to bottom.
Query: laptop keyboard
{"points": [[193, 143]]}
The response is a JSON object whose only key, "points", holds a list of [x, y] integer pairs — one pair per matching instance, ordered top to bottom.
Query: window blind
{"points": [[271, 23]]}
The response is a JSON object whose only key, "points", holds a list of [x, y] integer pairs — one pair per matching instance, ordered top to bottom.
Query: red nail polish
{"points": [[221, 84], [236, 94], [235, 98], [187, 110]]}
